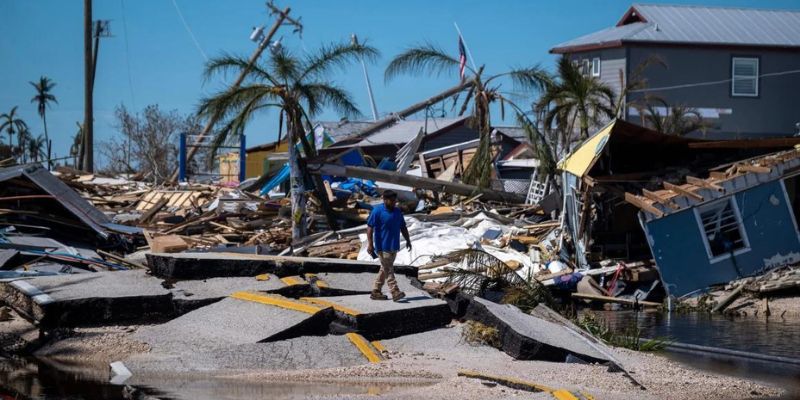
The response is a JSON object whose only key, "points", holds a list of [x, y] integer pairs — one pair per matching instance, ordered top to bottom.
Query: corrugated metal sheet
{"points": [[699, 24], [404, 131], [62, 193]]}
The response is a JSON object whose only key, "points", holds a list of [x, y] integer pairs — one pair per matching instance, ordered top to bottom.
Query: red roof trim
{"points": [[632, 15], [586, 47]]}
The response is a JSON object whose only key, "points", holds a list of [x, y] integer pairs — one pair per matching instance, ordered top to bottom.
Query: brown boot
{"points": [[377, 295], [398, 295]]}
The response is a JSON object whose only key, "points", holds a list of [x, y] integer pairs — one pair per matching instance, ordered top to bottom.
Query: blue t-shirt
{"points": [[386, 226]]}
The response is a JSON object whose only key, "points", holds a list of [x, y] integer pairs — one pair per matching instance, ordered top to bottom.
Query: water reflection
{"points": [[43, 379]]}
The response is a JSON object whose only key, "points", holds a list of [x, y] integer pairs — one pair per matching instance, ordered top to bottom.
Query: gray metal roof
{"points": [[697, 25], [342, 129], [404, 131], [69, 198]]}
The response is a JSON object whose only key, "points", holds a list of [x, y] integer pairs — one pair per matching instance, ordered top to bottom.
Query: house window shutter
{"points": [[744, 81]]}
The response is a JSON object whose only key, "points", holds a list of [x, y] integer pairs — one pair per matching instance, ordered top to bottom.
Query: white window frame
{"points": [[596, 63], [734, 76], [715, 259]]}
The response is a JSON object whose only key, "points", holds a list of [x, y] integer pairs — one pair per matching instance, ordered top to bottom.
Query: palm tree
{"points": [[429, 59], [298, 86], [43, 98], [575, 98], [678, 121], [12, 124], [23, 135], [35, 147]]}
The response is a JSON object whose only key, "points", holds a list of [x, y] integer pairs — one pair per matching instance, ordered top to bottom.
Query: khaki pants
{"points": [[386, 273]]}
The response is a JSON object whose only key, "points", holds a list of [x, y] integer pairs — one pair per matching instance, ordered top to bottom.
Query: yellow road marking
{"points": [[262, 277], [293, 280], [317, 280], [278, 301], [337, 307], [363, 346], [378, 346], [507, 381], [559, 394], [563, 394], [586, 395]]}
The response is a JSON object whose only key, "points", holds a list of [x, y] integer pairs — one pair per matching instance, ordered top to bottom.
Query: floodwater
{"points": [[766, 336], [41, 379]]}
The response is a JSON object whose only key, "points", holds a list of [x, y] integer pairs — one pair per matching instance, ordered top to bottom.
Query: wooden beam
{"points": [[746, 144], [753, 168], [718, 175], [415, 182], [704, 183], [679, 190], [657, 198], [639, 202], [607, 299]]}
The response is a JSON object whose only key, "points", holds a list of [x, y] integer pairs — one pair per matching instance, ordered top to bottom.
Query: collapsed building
{"points": [[706, 212]]}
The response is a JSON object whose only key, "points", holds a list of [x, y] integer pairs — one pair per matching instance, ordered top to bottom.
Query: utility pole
{"points": [[282, 16], [369, 85], [87, 163]]}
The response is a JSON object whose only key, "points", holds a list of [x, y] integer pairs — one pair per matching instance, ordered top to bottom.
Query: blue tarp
{"points": [[276, 180]]}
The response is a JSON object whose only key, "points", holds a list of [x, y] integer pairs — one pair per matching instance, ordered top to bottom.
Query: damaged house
{"points": [[706, 212]]}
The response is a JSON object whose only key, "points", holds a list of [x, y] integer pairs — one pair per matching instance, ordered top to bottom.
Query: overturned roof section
{"points": [[682, 24], [403, 131], [624, 135], [63, 194]]}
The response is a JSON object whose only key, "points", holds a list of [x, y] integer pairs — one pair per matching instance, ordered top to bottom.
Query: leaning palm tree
{"points": [[429, 59], [299, 88], [43, 98], [575, 98], [12, 125]]}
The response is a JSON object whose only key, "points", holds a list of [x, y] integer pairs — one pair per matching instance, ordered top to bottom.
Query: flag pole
{"points": [[469, 53]]}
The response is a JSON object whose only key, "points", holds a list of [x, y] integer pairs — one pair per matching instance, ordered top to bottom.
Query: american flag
{"points": [[462, 57]]}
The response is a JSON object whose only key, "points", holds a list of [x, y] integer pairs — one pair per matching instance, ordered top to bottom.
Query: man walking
{"points": [[384, 226]]}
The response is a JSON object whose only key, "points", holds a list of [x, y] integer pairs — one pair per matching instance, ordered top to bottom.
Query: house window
{"points": [[596, 66], [585, 69], [744, 81], [723, 232]]}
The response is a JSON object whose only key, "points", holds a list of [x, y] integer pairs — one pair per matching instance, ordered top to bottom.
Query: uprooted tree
{"points": [[147, 143]]}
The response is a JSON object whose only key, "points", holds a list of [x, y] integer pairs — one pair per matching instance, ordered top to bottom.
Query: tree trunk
{"points": [[46, 139], [296, 179]]}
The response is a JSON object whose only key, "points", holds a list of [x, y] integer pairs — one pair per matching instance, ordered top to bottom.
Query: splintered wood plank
{"points": [[753, 168], [718, 175], [704, 183], [680, 190], [659, 199], [639, 202]]}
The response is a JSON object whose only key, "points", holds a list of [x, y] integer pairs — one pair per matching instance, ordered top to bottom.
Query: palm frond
{"points": [[335, 56], [425, 58], [227, 63], [285, 66], [527, 79], [329, 95], [230, 101]]}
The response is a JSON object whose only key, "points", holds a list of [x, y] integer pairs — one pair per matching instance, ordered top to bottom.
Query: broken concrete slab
{"points": [[211, 265], [349, 283], [193, 294], [91, 298], [241, 319], [379, 319], [526, 337], [306, 352]]}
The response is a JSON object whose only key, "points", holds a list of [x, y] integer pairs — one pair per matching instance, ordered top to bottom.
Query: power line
{"points": [[189, 30], [127, 54], [710, 83]]}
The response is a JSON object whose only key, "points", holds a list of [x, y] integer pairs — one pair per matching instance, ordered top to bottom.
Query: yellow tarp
{"points": [[582, 159]]}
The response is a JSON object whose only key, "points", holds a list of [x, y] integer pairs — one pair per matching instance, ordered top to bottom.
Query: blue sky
{"points": [[152, 59]]}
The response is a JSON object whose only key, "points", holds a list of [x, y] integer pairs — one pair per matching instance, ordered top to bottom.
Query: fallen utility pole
{"points": [[282, 15], [414, 181]]}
